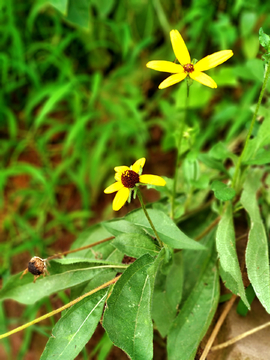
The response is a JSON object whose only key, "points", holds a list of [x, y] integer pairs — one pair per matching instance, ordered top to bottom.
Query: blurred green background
{"points": [[76, 99]]}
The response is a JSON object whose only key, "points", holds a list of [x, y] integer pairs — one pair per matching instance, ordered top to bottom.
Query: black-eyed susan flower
{"points": [[187, 68], [127, 178]]}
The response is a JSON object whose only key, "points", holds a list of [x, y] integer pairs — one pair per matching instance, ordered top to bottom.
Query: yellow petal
{"points": [[179, 48], [213, 60], [165, 66], [203, 79], [171, 80], [138, 164], [121, 168], [118, 176], [152, 180], [114, 187], [120, 199]]}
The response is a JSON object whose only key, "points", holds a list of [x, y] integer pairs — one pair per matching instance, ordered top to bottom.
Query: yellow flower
{"points": [[194, 71], [126, 180]]}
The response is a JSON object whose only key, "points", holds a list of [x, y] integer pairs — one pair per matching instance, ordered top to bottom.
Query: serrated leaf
{"points": [[222, 191], [168, 232], [225, 242], [135, 245], [257, 252], [167, 295], [195, 316], [127, 318], [75, 328]]}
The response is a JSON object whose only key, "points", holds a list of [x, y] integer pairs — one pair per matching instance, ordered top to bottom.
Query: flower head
{"points": [[186, 67], [127, 179]]}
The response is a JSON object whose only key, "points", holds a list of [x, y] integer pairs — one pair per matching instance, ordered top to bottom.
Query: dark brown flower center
{"points": [[188, 68], [130, 178]]}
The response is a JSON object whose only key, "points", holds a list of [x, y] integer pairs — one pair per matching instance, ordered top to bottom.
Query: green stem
{"points": [[178, 155], [236, 174], [148, 218]]}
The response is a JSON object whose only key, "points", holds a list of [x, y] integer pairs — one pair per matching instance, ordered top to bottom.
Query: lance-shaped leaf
{"points": [[120, 226], [168, 232], [135, 245], [257, 255], [229, 265], [25, 291], [167, 295], [196, 315], [127, 318], [75, 328]]}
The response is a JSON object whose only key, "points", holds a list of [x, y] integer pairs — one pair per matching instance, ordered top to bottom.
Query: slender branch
{"points": [[179, 145], [235, 177], [148, 218], [208, 229], [79, 249], [73, 302], [217, 327], [240, 337]]}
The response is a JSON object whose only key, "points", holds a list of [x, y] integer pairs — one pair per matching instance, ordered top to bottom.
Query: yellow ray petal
{"points": [[179, 48], [213, 60], [165, 66], [203, 79], [171, 80], [139, 163], [121, 168], [118, 176], [152, 180], [114, 187], [120, 198]]}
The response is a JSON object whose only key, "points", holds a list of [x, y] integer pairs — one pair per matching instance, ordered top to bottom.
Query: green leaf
{"points": [[60, 5], [79, 12], [264, 40], [58, 94], [262, 139], [261, 158], [212, 163], [222, 191], [118, 227], [168, 232], [89, 236], [225, 242], [135, 245], [257, 253], [192, 274], [25, 291], [167, 295], [241, 307], [195, 316], [127, 318], [75, 328]]}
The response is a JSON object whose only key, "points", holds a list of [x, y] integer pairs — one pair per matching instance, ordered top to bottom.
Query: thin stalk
{"points": [[178, 155], [236, 174], [148, 218], [79, 249], [73, 302], [240, 337], [210, 341]]}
